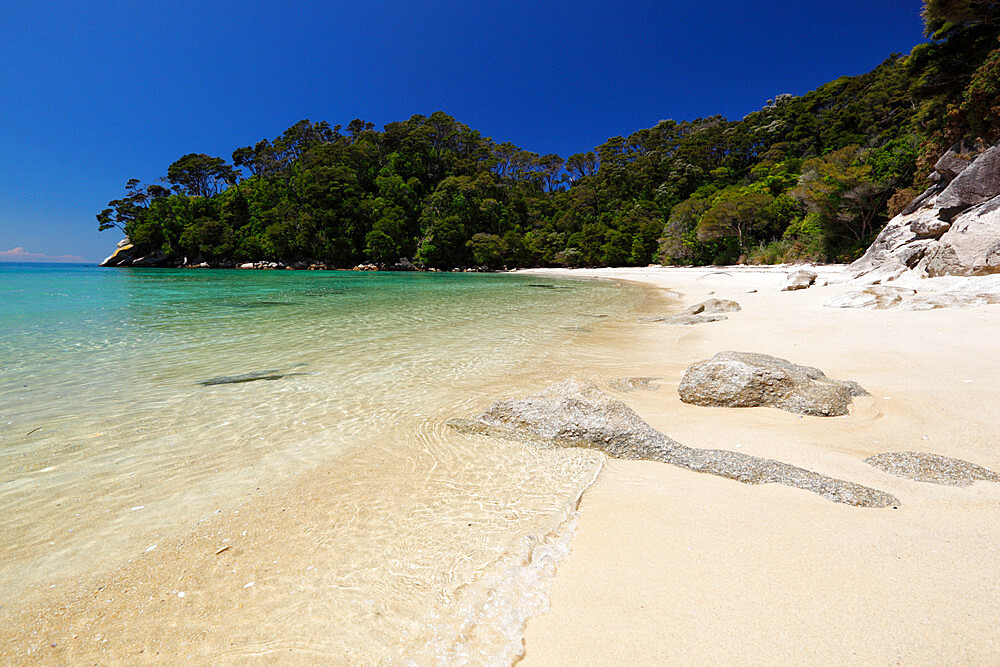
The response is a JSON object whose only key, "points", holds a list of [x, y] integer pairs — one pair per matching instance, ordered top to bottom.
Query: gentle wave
{"points": [[109, 444]]}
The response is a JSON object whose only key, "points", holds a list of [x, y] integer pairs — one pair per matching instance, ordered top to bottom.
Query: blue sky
{"points": [[96, 93]]}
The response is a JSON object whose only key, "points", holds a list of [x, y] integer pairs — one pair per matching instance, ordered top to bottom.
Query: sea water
{"points": [[124, 435]]}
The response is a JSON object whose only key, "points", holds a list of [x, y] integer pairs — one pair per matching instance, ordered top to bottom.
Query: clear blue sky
{"points": [[95, 92]]}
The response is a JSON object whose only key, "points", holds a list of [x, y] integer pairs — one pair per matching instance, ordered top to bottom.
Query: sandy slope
{"points": [[671, 566]]}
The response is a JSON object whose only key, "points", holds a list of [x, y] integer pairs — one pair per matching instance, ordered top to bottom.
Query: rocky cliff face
{"points": [[951, 229]]}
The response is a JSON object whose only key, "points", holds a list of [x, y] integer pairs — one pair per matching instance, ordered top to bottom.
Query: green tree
{"points": [[200, 175]]}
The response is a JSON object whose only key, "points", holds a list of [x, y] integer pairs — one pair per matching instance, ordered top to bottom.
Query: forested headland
{"points": [[810, 177]]}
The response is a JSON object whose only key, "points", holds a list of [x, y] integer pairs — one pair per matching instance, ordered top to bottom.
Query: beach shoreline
{"points": [[416, 541], [652, 563], [672, 566]]}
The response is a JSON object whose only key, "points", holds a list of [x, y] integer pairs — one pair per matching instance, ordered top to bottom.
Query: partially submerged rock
{"points": [[800, 279], [685, 320], [246, 377], [749, 380], [633, 383], [578, 414], [932, 468]]}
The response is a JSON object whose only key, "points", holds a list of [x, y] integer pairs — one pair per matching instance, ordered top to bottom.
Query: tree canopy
{"points": [[814, 176]]}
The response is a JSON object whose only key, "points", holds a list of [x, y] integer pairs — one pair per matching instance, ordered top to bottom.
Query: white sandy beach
{"points": [[667, 566], [672, 566]]}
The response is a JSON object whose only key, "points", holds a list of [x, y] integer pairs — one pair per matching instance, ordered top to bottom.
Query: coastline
{"points": [[422, 543], [651, 563], [668, 565]]}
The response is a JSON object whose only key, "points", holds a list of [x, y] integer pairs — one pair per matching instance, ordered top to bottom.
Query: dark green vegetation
{"points": [[814, 177]]}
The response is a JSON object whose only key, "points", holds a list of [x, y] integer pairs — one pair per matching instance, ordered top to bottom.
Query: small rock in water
{"points": [[246, 377], [633, 383]]}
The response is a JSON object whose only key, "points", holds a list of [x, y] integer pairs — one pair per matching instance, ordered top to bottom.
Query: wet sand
{"points": [[417, 543], [672, 566]]}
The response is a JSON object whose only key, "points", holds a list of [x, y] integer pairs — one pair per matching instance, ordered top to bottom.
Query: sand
{"points": [[666, 565], [671, 566]]}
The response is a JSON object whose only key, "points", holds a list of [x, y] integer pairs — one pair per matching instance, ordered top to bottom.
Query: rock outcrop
{"points": [[953, 228], [122, 256], [800, 279], [980, 291], [880, 297], [709, 310], [750, 380], [578, 414], [932, 468]]}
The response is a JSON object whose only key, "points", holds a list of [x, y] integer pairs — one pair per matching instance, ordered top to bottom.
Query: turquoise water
{"points": [[110, 443]]}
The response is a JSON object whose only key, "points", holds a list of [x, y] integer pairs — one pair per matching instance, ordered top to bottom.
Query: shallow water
{"points": [[142, 411]]}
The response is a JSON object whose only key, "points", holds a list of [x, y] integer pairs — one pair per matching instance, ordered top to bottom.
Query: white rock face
{"points": [[952, 229], [910, 293]]}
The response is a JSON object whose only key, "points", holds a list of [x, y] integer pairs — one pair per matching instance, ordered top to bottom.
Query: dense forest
{"points": [[810, 177]]}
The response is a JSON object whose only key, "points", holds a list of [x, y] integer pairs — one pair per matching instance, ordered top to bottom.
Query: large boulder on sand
{"points": [[951, 229], [800, 279], [749, 380], [579, 414]]}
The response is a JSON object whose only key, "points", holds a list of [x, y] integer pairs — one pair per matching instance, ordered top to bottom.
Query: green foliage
{"points": [[813, 176]]}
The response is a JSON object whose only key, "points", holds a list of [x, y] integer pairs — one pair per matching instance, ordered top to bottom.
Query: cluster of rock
{"points": [[953, 228], [127, 254], [898, 297], [709, 310], [751, 380], [578, 414]]}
